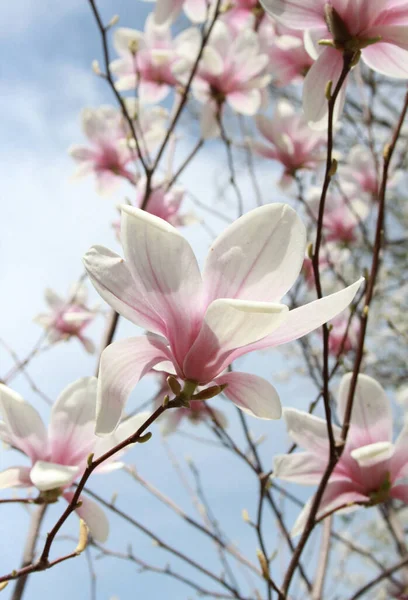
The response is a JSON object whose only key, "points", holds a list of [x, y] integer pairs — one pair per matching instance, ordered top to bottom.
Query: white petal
{"points": [[296, 14], [387, 59], [258, 257], [162, 262], [112, 280], [53, 300], [122, 365], [252, 394], [371, 416], [24, 424], [72, 424], [308, 431], [367, 456], [304, 467], [49, 476], [15, 477], [94, 517]]}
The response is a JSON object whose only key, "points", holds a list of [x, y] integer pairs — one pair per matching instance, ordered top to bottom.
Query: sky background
{"points": [[48, 222]]}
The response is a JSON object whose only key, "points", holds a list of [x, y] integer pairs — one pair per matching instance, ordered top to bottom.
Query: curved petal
{"points": [[297, 14], [387, 59], [328, 67], [245, 102], [258, 257], [164, 266], [112, 280], [309, 317], [228, 325], [122, 365], [252, 394], [371, 418], [72, 424], [25, 427], [309, 432], [372, 454], [399, 461], [304, 468], [49, 476], [15, 477], [400, 492], [339, 495], [94, 517]]}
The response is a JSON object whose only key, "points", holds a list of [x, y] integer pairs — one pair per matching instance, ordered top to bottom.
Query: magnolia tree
{"points": [[298, 110]]}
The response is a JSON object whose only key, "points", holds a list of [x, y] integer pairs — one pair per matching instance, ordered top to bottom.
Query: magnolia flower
{"points": [[240, 14], [375, 30], [288, 59], [152, 62], [231, 70], [291, 141], [68, 318], [205, 322], [343, 334], [59, 456], [371, 467]]}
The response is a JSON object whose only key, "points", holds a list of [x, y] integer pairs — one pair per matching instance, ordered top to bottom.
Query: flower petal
{"points": [[296, 14], [387, 59], [258, 257], [164, 266], [112, 280], [309, 317], [228, 325], [122, 365], [252, 394], [371, 418], [72, 424], [25, 427], [124, 430], [309, 432], [370, 455], [304, 468], [49, 476], [15, 477], [94, 517]]}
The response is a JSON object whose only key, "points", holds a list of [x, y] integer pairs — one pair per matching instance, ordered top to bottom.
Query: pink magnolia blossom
{"points": [[240, 14], [375, 28], [151, 61], [289, 61], [232, 70], [290, 141], [108, 156], [162, 202], [342, 214], [68, 318], [205, 322], [339, 342], [59, 455], [371, 468]]}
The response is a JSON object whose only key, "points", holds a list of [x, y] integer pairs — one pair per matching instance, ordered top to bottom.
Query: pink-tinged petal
{"points": [[166, 10], [196, 10], [297, 14], [387, 59], [328, 67], [152, 92], [245, 102], [264, 150], [81, 153], [258, 257], [163, 264], [112, 280], [309, 317], [228, 325], [122, 365], [252, 394], [371, 418], [72, 423], [25, 427], [124, 430], [309, 432], [399, 462], [304, 468], [50, 476], [15, 477], [400, 492], [339, 495], [94, 517]]}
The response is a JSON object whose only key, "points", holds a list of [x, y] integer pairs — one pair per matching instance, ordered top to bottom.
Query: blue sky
{"points": [[47, 224]]}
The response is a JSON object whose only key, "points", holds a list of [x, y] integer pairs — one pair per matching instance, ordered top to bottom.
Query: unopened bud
{"points": [[114, 20], [336, 25], [96, 68], [328, 89], [386, 151], [333, 168], [310, 251], [174, 385], [208, 393], [166, 400], [144, 438], [90, 459], [114, 498], [245, 516], [83, 537], [264, 563], [3, 585]]}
